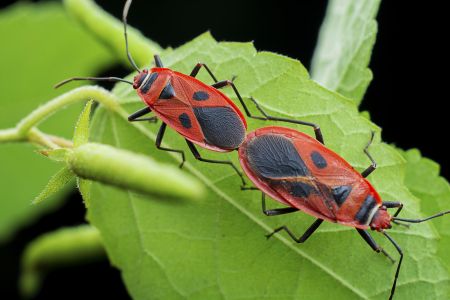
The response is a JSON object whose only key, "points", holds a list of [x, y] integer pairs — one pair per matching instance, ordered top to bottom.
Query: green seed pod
{"points": [[132, 171]]}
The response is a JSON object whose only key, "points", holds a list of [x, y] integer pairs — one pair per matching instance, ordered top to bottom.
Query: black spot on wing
{"points": [[148, 84], [168, 92], [200, 96], [185, 120], [221, 126], [274, 156], [318, 160], [299, 189], [340, 193], [364, 211]]}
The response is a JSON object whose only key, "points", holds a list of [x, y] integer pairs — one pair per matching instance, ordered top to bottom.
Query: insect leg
{"points": [[158, 61], [197, 67], [134, 117], [267, 117], [159, 138], [225, 162], [373, 166], [249, 188], [389, 204], [276, 211], [304, 237], [369, 240], [399, 263]]}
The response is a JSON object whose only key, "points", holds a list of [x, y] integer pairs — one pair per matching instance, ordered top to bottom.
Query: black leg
{"points": [[158, 61], [197, 67], [134, 117], [267, 117], [159, 138], [225, 162], [373, 166], [249, 188], [395, 204], [276, 211], [304, 237], [369, 240], [399, 263]]}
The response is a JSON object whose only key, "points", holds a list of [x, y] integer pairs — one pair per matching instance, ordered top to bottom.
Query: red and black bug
{"points": [[202, 114], [300, 172]]}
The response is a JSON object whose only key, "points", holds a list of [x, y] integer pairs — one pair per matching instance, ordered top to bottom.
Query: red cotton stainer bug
{"points": [[199, 112], [300, 172]]}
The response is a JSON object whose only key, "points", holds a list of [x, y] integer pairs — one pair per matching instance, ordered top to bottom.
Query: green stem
{"points": [[109, 30], [79, 94], [26, 129], [10, 135], [37, 137], [67, 246]]}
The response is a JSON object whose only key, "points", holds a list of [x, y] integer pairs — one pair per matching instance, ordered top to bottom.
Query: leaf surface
{"points": [[423, 180], [55, 184], [216, 248]]}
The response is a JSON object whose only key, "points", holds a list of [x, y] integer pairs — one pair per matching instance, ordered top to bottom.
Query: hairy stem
{"points": [[79, 94], [26, 130]]}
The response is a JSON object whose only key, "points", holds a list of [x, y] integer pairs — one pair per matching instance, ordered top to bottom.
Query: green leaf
{"points": [[345, 45], [40, 46], [81, 135], [423, 180], [56, 183], [84, 186], [61, 248], [216, 248]]}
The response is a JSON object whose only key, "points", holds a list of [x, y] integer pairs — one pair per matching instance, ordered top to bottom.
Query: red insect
{"points": [[199, 112], [300, 172]]}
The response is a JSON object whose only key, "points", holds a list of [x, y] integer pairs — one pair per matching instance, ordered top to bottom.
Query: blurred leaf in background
{"points": [[40, 45], [344, 47]]}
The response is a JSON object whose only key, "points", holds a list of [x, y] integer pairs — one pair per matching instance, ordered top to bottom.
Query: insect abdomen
{"points": [[221, 126]]}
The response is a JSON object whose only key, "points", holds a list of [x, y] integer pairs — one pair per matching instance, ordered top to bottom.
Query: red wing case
{"points": [[199, 112], [298, 171]]}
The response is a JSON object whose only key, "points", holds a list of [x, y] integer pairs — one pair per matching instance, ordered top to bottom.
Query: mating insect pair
{"points": [[289, 166]]}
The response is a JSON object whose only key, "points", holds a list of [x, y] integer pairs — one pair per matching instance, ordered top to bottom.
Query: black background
{"points": [[407, 97]]}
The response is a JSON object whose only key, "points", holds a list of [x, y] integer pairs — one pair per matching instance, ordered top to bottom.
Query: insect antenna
{"points": [[124, 19], [114, 79], [421, 220], [399, 263]]}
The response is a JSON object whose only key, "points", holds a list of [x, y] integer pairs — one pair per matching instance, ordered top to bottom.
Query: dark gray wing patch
{"points": [[168, 92], [200, 96], [185, 120], [221, 126], [274, 156], [318, 160], [300, 189], [340, 193]]}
